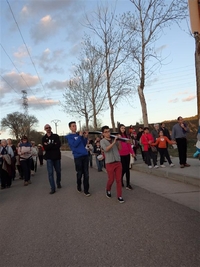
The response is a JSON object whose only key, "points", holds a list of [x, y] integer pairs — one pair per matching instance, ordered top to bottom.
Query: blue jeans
{"points": [[99, 164], [51, 165], [81, 165]]}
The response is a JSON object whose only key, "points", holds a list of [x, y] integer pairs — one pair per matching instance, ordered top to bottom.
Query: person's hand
{"points": [[182, 125], [85, 133], [115, 139]]}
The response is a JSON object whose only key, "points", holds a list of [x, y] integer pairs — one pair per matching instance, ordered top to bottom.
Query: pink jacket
{"points": [[125, 149]]}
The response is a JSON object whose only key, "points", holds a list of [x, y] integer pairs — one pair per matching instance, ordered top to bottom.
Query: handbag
{"points": [[100, 157]]}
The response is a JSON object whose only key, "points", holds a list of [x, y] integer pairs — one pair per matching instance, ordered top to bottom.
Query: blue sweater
{"points": [[77, 144]]}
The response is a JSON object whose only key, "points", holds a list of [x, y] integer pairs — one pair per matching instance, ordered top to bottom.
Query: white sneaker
{"points": [[171, 165], [162, 166], [150, 167], [156, 167]]}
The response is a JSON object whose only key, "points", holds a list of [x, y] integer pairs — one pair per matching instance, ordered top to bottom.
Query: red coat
{"points": [[145, 138]]}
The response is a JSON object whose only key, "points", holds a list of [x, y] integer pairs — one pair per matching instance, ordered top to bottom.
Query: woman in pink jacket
{"points": [[125, 151]]}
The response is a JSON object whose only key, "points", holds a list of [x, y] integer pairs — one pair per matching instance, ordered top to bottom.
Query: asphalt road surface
{"points": [[70, 229]]}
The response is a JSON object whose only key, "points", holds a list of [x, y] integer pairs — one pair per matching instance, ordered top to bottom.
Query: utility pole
{"points": [[194, 9], [56, 124]]}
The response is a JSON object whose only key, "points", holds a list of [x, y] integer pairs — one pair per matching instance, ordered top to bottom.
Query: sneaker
{"points": [[171, 165], [162, 166], [182, 166], [150, 167], [156, 167], [25, 183], [129, 187], [79, 189], [87, 194], [108, 194], [120, 199]]}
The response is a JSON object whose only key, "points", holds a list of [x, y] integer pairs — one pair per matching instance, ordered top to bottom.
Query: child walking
{"points": [[161, 142]]}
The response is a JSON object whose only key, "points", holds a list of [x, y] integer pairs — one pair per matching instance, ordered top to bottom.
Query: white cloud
{"points": [[50, 17], [47, 27], [21, 52], [48, 59], [17, 82], [58, 85], [189, 98], [175, 100], [39, 103]]}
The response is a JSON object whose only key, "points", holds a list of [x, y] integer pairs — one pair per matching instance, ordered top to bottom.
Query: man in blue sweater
{"points": [[77, 143]]}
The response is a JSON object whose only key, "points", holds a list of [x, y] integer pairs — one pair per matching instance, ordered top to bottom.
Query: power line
{"points": [[27, 48], [19, 74]]}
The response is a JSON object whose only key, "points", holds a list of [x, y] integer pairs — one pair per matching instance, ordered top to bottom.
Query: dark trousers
{"points": [[182, 150], [142, 152], [164, 154], [150, 155], [40, 159], [90, 159], [125, 161], [81, 166], [13, 168], [19, 168], [26, 169], [6, 179]]}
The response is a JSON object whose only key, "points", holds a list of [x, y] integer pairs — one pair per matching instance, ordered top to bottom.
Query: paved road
{"points": [[69, 229]]}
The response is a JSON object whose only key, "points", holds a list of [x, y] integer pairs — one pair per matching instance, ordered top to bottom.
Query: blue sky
{"points": [[52, 31]]}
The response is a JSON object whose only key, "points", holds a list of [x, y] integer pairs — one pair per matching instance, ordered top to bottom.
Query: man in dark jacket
{"points": [[51, 143]]}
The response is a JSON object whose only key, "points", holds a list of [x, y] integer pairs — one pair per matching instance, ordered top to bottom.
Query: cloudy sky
{"points": [[40, 42]]}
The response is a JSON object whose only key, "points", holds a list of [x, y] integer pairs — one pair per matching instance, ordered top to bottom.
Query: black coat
{"points": [[52, 147]]}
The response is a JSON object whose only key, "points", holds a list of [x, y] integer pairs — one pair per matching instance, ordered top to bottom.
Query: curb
{"points": [[167, 173]]}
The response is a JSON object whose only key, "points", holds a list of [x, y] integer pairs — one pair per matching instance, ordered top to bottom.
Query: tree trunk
{"points": [[197, 65], [144, 106]]}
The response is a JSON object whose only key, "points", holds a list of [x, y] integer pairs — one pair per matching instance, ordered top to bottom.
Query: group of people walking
{"points": [[113, 153], [22, 157]]}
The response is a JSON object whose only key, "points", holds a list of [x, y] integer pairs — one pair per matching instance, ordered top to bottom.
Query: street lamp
{"points": [[56, 124]]}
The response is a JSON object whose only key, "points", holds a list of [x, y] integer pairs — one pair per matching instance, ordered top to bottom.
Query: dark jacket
{"points": [[165, 132], [52, 149]]}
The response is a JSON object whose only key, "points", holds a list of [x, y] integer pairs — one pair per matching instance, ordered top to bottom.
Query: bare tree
{"points": [[148, 20], [113, 39], [95, 67], [85, 94], [76, 95], [18, 124]]}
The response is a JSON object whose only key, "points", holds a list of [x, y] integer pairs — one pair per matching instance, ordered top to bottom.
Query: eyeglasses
{"points": [[47, 128], [108, 131]]}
